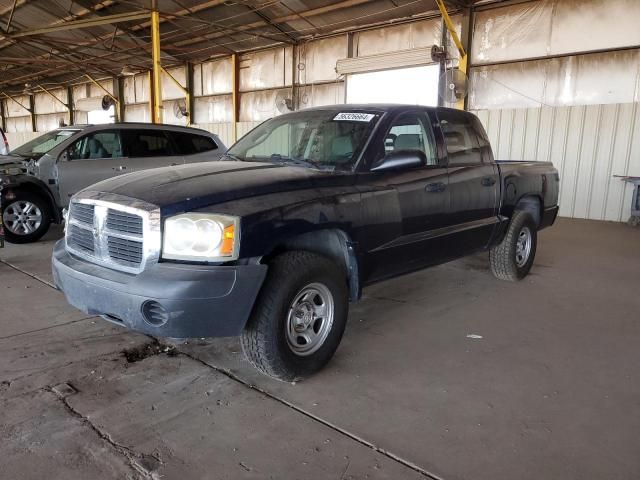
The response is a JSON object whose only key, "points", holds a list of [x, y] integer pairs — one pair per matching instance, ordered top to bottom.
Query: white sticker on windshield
{"points": [[354, 117]]}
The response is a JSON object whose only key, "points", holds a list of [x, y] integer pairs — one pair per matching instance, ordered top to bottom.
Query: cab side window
{"points": [[411, 131], [147, 143], [96, 145], [463, 146]]}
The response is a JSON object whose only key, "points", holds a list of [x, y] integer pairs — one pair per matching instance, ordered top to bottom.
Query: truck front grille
{"points": [[83, 212], [124, 222], [110, 234], [80, 238], [125, 251]]}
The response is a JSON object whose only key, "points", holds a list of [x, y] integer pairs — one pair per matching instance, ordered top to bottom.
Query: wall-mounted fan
{"points": [[456, 85], [107, 102], [284, 103], [180, 109]]}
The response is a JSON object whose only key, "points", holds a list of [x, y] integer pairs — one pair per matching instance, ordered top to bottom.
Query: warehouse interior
{"points": [[442, 374]]}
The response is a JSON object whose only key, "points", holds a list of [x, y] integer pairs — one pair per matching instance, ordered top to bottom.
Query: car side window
{"points": [[410, 131], [147, 143], [190, 143], [96, 145], [463, 146]]}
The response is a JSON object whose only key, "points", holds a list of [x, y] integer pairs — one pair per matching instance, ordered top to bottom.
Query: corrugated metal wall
{"points": [[587, 144]]}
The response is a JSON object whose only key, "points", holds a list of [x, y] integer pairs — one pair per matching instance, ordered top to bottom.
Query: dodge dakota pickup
{"points": [[272, 242]]}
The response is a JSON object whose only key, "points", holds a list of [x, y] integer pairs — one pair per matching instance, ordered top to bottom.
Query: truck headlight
{"points": [[201, 237]]}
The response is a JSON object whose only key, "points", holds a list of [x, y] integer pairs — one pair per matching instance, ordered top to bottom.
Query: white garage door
{"points": [[414, 86]]}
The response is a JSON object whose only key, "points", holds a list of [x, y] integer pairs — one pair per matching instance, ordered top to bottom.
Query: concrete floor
{"points": [[549, 390]]}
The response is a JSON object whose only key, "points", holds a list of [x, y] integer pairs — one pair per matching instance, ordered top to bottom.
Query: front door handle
{"points": [[120, 168], [488, 181], [438, 187]]}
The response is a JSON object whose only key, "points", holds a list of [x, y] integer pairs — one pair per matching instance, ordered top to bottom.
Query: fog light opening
{"points": [[154, 313]]}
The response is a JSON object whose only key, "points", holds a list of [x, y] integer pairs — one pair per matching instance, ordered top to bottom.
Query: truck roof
{"points": [[382, 107]]}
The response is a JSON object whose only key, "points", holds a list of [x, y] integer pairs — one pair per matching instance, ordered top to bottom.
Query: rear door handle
{"points": [[120, 168], [488, 181], [435, 187]]}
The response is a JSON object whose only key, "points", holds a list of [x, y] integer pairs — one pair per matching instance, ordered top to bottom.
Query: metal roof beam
{"points": [[87, 23]]}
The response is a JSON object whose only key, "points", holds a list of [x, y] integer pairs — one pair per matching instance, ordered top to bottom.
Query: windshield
{"points": [[326, 139], [41, 145]]}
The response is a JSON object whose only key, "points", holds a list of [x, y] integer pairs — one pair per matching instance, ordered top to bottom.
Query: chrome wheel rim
{"points": [[22, 217], [523, 247], [309, 319]]}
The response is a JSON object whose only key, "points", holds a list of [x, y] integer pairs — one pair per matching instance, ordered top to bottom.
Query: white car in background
{"points": [[39, 177]]}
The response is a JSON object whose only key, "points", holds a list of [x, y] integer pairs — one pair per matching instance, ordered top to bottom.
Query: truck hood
{"points": [[198, 185]]}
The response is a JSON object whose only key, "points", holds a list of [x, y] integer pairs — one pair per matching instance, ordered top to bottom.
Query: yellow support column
{"points": [[462, 64], [156, 85]]}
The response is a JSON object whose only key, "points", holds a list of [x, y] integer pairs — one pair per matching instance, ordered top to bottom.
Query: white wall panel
{"points": [[554, 27], [401, 37], [317, 60], [265, 69], [212, 78], [596, 78], [136, 89], [170, 90], [80, 91], [96, 91], [319, 95], [45, 103], [258, 106], [15, 108], [216, 109], [137, 113], [51, 121], [18, 125], [588, 144]]}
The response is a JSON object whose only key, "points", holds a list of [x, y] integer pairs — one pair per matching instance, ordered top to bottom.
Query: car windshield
{"points": [[324, 139], [44, 143]]}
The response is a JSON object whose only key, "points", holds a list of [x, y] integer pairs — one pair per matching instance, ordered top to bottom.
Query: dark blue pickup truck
{"points": [[272, 242]]}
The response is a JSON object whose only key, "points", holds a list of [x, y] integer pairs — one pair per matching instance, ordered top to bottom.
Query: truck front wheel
{"points": [[26, 218], [513, 257], [299, 317]]}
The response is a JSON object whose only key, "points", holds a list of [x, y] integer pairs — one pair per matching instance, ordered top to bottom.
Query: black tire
{"points": [[45, 223], [506, 263], [266, 342]]}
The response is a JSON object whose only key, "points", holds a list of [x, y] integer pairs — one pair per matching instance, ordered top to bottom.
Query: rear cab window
{"points": [[461, 140]]}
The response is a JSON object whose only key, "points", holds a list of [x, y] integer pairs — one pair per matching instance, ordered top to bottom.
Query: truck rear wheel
{"points": [[26, 218], [512, 259], [299, 317]]}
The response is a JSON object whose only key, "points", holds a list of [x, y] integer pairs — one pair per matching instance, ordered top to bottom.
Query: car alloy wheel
{"points": [[22, 217]]}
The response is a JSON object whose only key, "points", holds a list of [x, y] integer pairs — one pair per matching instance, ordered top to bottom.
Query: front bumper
{"points": [[198, 300]]}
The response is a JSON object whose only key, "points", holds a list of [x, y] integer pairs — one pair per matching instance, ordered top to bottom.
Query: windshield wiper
{"points": [[298, 162]]}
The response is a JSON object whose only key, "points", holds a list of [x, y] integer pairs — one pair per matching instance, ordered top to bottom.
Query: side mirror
{"points": [[64, 156], [401, 160]]}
